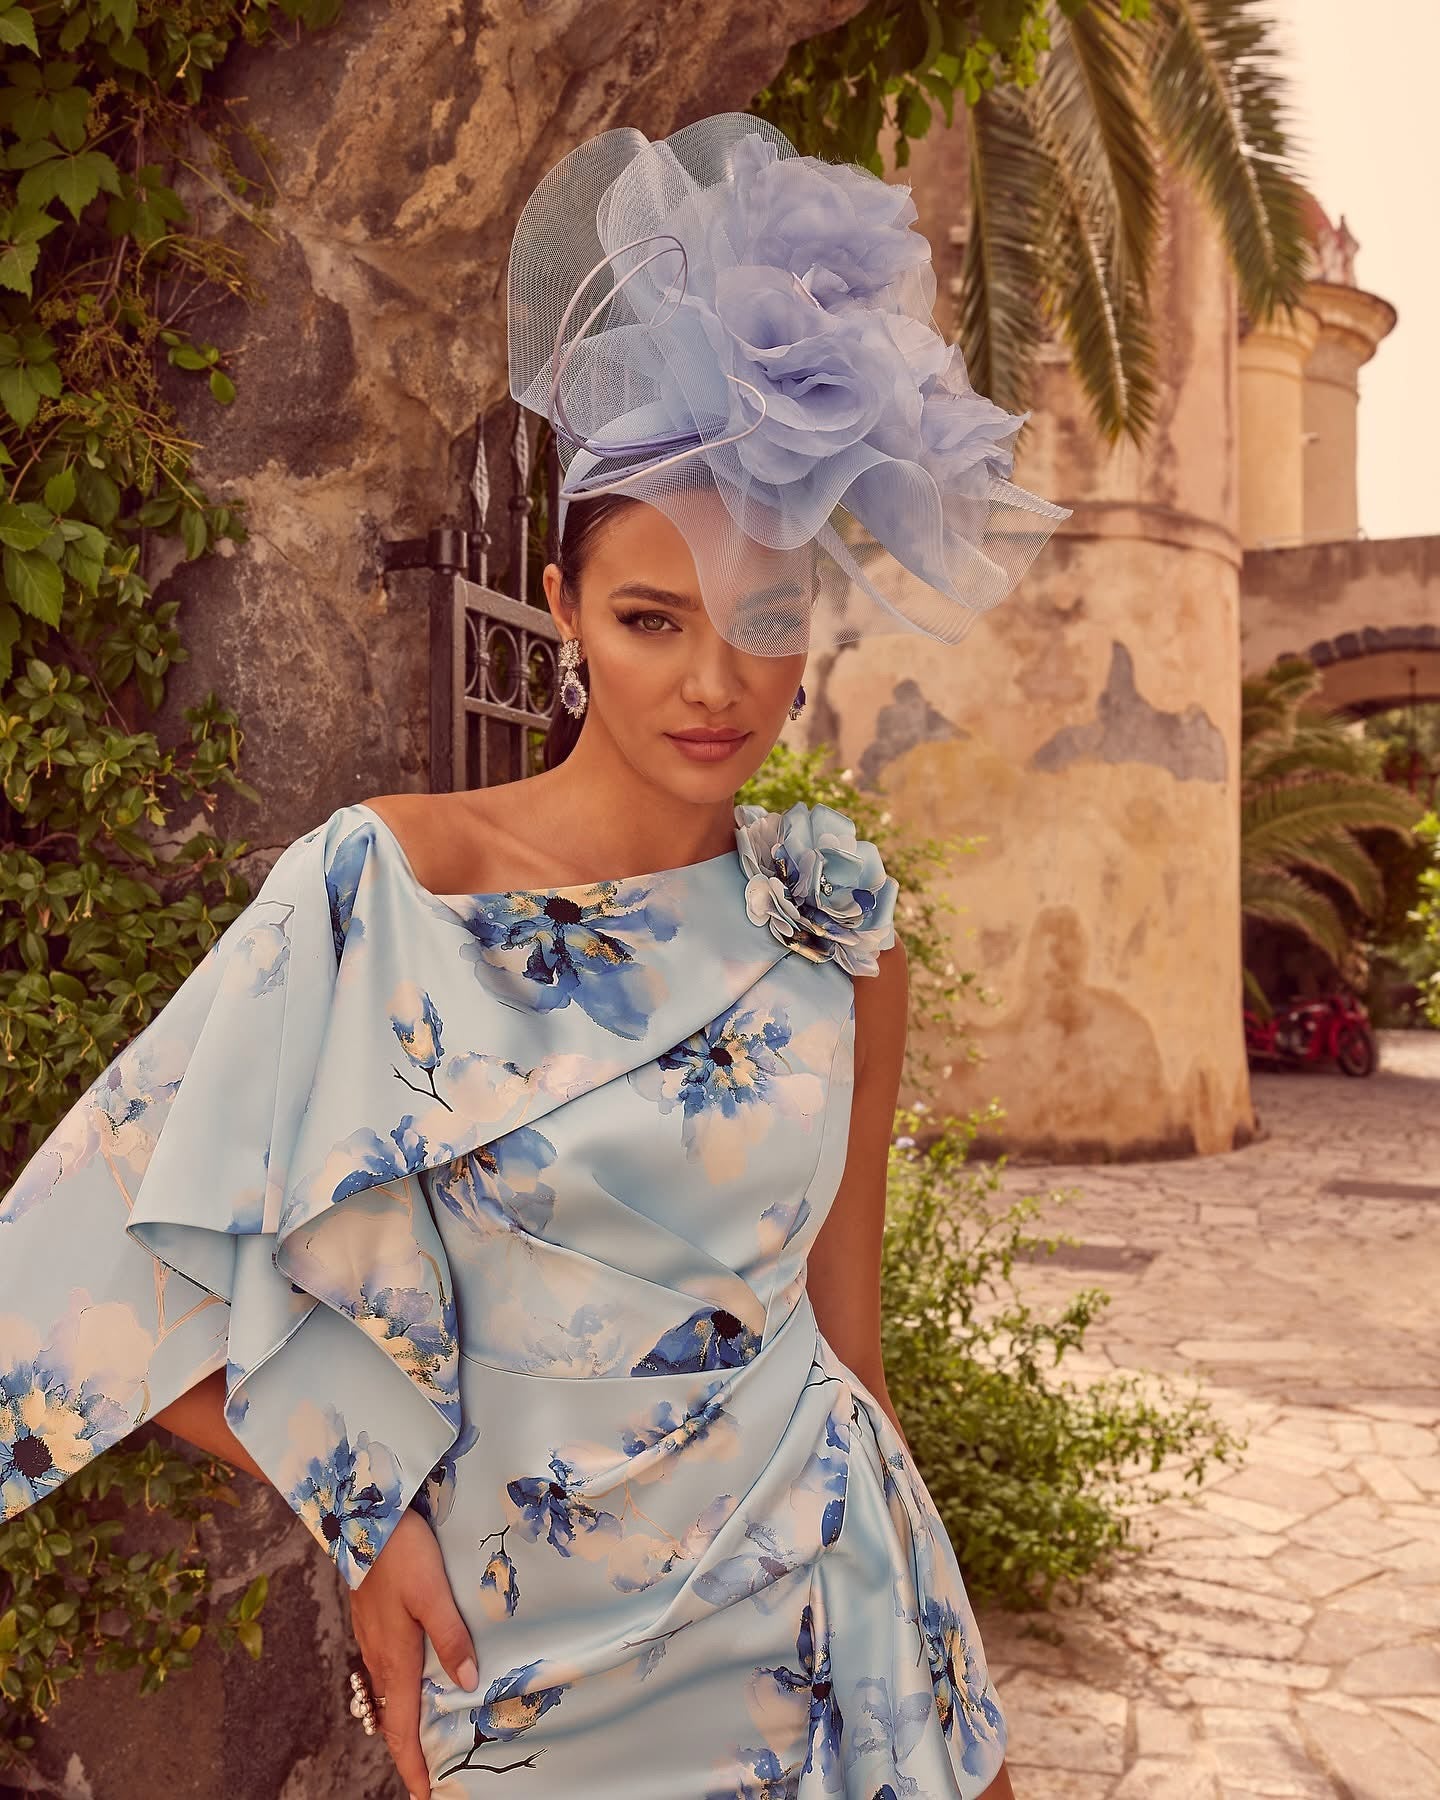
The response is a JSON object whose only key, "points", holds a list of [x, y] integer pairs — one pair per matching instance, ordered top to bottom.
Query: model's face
{"points": [[682, 705]]}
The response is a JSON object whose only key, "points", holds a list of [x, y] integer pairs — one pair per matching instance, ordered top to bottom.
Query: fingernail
{"points": [[469, 1675]]}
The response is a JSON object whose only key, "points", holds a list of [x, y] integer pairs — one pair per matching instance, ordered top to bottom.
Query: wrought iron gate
{"points": [[493, 680]]}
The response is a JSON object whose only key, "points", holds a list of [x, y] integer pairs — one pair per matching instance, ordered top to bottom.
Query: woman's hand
{"points": [[404, 1599]]}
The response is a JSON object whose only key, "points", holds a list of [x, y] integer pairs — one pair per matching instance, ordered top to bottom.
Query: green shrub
{"points": [[1427, 916], [939, 992], [1037, 1477], [74, 1593]]}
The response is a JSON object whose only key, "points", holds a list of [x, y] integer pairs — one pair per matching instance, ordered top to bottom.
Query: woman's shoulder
{"points": [[431, 833], [459, 843]]}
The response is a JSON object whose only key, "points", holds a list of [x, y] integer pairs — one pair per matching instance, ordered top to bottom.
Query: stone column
{"points": [[1351, 326], [1272, 363], [1087, 729]]}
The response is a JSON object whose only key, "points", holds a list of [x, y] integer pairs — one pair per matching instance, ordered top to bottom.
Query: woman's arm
{"points": [[843, 1276], [198, 1416], [404, 1598]]}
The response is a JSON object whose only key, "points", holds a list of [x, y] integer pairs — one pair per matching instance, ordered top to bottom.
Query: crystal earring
{"points": [[573, 696], [797, 705]]}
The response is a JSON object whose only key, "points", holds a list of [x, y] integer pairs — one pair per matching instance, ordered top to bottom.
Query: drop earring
{"points": [[573, 696], [797, 705]]}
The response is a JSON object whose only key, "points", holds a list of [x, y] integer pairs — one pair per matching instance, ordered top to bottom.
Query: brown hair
{"points": [[584, 521]]}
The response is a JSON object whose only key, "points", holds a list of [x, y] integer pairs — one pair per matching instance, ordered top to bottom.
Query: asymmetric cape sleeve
{"points": [[209, 1202]]}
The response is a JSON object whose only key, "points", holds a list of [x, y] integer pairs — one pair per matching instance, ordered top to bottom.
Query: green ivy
{"points": [[891, 67], [100, 270], [104, 912], [75, 1594]]}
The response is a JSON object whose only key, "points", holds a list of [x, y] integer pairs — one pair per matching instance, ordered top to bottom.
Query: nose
{"points": [[713, 677]]}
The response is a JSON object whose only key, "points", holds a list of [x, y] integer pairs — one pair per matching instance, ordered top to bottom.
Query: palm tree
{"points": [[1066, 168], [1308, 787]]}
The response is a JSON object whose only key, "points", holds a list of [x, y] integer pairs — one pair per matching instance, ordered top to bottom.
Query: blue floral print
{"points": [[578, 945], [500, 1210], [709, 1339], [49, 1427], [345, 1491], [552, 1505], [499, 1581], [814, 1677]]}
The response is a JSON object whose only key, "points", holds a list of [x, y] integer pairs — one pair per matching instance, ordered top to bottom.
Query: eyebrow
{"points": [[642, 590]]}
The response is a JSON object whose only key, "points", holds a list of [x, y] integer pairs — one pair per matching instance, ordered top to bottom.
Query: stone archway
{"points": [[1366, 612], [1374, 669]]}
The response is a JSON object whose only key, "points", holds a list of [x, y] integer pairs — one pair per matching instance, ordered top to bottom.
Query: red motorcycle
{"points": [[1333, 1029]]}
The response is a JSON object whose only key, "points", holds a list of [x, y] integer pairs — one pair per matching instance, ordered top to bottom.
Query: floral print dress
{"points": [[498, 1205]]}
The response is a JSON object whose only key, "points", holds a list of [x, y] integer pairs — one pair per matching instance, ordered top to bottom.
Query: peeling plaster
{"points": [[906, 720], [1128, 729]]}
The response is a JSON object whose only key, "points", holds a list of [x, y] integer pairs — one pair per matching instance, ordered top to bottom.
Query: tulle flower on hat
{"points": [[743, 337]]}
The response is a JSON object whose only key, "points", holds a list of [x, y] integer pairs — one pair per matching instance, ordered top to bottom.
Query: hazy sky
{"points": [[1367, 118]]}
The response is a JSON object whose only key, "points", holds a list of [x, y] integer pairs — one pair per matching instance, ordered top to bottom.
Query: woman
{"points": [[506, 1186]]}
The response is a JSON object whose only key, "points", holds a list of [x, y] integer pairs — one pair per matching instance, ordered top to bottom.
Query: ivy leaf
{"points": [[123, 13], [17, 27], [130, 53], [70, 109], [72, 180], [21, 229], [17, 265], [60, 491], [99, 495], [24, 527], [193, 531], [34, 583], [9, 633]]}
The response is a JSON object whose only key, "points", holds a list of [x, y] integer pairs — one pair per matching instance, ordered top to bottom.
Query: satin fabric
{"points": [[498, 1205]]}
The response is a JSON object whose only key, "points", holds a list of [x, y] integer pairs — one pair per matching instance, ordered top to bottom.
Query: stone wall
{"points": [[404, 141], [1366, 610], [1088, 729]]}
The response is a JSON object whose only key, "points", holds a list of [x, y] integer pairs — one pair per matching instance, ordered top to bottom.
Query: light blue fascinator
{"points": [[744, 338]]}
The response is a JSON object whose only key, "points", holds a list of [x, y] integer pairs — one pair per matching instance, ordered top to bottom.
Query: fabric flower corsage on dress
{"points": [[821, 891]]}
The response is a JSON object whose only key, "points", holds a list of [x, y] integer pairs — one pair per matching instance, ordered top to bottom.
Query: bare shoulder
{"points": [[441, 836], [477, 841], [882, 1007]]}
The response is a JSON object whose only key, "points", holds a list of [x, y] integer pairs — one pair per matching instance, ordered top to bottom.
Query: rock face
{"points": [[404, 142]]}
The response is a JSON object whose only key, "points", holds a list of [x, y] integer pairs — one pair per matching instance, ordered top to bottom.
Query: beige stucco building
{"points": [[1088, 728]]}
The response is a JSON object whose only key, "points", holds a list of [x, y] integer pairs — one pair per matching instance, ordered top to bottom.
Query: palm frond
{"points": [[1097, 80], [1217, 86], [1097, 221], [1000, 322], [1274, 699], [1273, 759], [1282, 818], [1350, 865], [1279, 898]]}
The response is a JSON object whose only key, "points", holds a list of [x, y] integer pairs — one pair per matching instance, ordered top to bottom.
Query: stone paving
{"points": [[1282, 1636]]}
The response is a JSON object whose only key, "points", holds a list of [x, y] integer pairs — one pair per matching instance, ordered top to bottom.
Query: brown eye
{"points": [[642, 622]]}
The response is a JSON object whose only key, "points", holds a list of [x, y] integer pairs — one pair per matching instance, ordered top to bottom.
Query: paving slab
{"points": [[1280, 1635]]}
